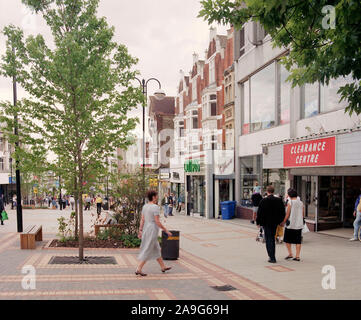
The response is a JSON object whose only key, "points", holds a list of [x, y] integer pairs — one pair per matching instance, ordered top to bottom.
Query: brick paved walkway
{"points": [[214, 253], [190, 278]]}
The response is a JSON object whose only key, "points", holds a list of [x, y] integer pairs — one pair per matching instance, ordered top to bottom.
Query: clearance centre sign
{"points": [[312, 153]]}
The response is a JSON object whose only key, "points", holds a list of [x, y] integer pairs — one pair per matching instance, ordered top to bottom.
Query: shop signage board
{"points": [[310, 153], [223, 162], [192, 166], [164, 176]]}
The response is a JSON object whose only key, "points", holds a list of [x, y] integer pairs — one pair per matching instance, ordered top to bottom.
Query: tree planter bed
{"points": [[89, 244]]}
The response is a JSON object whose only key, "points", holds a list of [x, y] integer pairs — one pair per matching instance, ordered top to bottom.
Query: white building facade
{"points": [[274, 118]]}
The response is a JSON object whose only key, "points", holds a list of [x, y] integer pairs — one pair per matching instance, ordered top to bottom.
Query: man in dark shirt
{"points": [[256, 200], [2, 208], [271, 212]]}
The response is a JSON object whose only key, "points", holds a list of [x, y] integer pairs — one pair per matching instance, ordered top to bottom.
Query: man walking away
{"points": [[256, 200], [64, 202], [72, 202], [99, 202], [87, 203], [164, 204], [171, 204], [271, 212], [357, 215]]}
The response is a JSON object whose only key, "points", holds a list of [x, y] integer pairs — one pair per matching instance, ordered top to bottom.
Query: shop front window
{"points": [[285, 95], [263, 99], [330, 99], [310, 103], [245, 107], [251, 178], [276, 178], [306, 187], [352, 191], [198, 194], [330, 199]]}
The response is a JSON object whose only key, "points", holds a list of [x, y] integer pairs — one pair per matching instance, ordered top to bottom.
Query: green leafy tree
{"points": [[321, 48], [79, 89], [129, 194]]}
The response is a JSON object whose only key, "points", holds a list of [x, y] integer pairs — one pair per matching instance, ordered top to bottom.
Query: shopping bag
{"points": [[4, 216], [305, 229], [279, 231]]}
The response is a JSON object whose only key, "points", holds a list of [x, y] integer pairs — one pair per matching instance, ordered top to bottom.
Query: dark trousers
{"points": [[99, 208], [270, 234]]}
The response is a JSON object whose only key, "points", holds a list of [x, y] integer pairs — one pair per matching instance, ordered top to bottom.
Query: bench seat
{"points": [[29, 237]]}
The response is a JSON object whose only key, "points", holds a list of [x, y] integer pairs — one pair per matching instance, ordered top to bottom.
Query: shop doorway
{"points": [[307, 188], [223, 191], [351, 192], [196, 195], [330, 199]]}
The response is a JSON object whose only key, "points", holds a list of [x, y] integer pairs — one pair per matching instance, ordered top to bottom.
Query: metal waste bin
{"points": [[170, 245]]}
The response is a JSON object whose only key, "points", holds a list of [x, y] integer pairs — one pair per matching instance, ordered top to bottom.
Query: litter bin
{"points": [[228, 209], [170, 245]]}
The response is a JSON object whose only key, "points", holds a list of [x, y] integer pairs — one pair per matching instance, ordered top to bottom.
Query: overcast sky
{"points": [[163, 34]]}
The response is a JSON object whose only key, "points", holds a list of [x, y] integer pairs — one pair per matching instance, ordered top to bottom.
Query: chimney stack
{"points": [[212, 33]]}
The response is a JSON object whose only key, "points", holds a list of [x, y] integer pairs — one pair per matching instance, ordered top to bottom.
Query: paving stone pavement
{"points": [[213, 253]]}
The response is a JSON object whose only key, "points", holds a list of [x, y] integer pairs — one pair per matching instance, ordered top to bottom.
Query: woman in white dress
{"points": [[294, 221], [148, 232]]}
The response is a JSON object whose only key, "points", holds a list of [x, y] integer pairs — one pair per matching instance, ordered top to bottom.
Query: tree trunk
{"points": [[80, 194], [76, 198], [76, 217], [81, 228]]}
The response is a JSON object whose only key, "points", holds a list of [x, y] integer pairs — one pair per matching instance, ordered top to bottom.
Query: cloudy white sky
{"points": [[163, 34]]}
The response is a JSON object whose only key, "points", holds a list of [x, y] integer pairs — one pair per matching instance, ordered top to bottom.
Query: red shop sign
{"points": [[312, 153]]}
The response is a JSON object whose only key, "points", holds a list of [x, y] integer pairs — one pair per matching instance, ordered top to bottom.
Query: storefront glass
{"points": [[285, 95], [330, 99], [310, 100], [245, 107], [263, 111], [251, 175], [276, 178], [306, 186], [224, 190], [351, 191], [196, 194], [330, 199]]}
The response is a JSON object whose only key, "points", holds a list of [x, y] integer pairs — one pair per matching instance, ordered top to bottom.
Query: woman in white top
{"points": [[294, 224], [148, 232]]}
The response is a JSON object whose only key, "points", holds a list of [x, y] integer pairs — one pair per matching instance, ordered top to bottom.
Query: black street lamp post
{"points": [[159, 95], [11, 180], [19, 209]]}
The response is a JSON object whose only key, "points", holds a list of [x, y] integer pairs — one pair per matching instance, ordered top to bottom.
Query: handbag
{"points": [[4, 216]]}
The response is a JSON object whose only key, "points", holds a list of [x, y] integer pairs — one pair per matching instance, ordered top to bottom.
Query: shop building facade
{"points": [[204, 113], [273, 116], [326, 170]]}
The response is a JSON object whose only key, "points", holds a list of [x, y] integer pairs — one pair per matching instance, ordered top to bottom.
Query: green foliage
{"points": [[316, 53], [79, 91], [130, 193], [66, 228], [128, 240]]}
